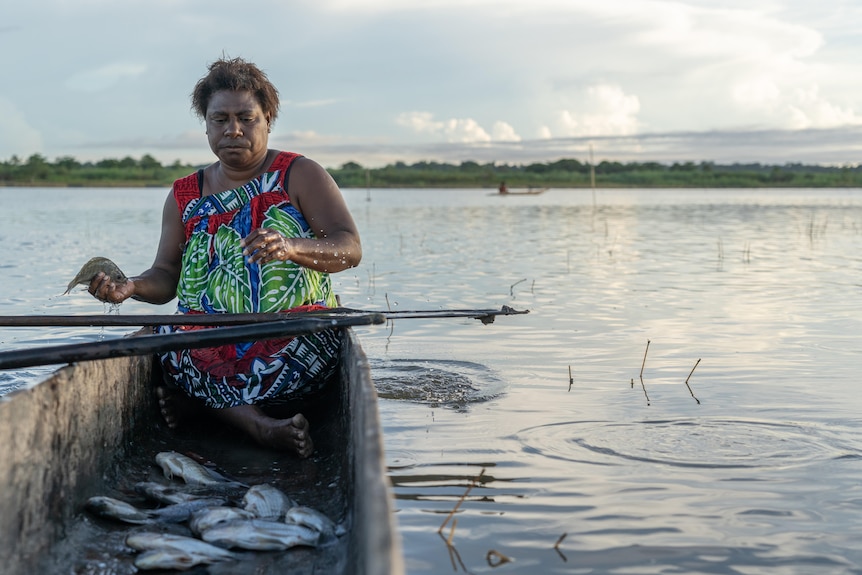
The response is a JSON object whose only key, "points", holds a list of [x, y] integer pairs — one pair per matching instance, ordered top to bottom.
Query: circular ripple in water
{"points": [[437, 383], [710, 443]]}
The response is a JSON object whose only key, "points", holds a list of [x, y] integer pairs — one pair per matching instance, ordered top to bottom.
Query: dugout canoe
{"points": [[523, 192], [93, 428]]}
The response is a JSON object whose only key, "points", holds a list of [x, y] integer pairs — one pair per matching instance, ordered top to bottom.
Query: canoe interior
{"points": [[93, 429]]}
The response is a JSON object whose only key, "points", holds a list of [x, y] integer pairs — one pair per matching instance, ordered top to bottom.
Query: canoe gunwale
{"points": [[374, 532]]}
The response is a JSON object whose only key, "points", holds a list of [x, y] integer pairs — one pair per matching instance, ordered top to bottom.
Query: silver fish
{"points": [[90, 269], [175, 464], [165, 494], [266, 502], [111, 508], [179, 512], [205, 519], [313, 519], [260, 535], [147, 541], [168, 558]]}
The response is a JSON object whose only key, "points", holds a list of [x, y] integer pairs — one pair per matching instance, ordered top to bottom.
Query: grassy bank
{"points": [[567, 173]]}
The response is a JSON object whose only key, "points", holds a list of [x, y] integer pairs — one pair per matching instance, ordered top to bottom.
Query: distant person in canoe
{"points": [[503, 189], [258, 230]]}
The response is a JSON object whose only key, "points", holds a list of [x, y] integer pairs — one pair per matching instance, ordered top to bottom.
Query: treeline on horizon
{"points": [[565, 173]]}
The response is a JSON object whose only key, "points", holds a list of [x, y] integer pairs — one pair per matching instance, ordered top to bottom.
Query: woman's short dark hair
{"points": [[237, 75]]}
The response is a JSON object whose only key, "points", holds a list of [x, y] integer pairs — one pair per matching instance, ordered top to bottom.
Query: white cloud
{"points": [[751, 33], [98, 79], [793, 108], [603, 110], [810, 110], [420, 122], [456, 130], [464, 130], [503, 132], [17, 136]]}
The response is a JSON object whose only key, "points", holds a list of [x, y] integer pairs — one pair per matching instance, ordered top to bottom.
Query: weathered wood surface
{"points": [[93, 429]]}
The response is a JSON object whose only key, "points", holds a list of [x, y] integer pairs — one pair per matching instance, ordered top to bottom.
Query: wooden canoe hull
{"points": [[71, 437]]}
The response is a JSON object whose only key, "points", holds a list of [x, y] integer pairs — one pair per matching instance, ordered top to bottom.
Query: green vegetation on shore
{"points": [[566, 173]]}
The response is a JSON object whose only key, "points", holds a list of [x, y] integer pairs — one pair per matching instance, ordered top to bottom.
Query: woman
{"points": [[258, 230]]}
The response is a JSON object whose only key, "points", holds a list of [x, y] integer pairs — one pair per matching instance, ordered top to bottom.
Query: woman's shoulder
{"points": [[284, 160], [188, 188]]}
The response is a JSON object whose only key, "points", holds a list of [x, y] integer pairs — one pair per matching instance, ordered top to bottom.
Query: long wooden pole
{"points": [[230, 319], [148, 344]]}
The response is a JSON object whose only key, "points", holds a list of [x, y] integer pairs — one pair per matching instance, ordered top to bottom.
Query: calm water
{"points": [[763, 287]]}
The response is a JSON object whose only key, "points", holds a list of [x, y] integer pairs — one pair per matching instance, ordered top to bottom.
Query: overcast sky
{"points": [[376, 81]]}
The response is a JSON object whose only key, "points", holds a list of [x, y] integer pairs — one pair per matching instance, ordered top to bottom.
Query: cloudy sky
{"points": [[376, 81]]}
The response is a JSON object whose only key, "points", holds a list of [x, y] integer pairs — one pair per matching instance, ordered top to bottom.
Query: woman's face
{"points": [[237, 128]]}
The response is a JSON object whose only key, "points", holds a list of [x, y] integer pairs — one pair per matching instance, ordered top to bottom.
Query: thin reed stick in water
{"points": [[512, 287], [644, 361], [642, 374], [689, 377], [571, 381], [645, 393], [461, 500], [451, 533], [560, 540], [557, 548], [453, 556]]}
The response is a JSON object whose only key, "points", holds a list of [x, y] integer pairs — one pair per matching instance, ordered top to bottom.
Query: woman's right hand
{"points": [[104, 289]]}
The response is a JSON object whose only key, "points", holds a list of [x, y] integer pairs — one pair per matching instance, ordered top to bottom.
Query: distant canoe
{"points": [[523, 192]]}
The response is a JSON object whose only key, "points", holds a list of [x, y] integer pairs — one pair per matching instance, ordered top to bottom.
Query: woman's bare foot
{"points": [[176, 407], [288, 434], [291, 434]]}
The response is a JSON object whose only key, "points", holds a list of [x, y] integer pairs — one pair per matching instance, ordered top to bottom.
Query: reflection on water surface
{"points": [[763, 285]]}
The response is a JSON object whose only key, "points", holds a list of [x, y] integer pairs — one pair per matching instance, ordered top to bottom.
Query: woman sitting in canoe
{"points": [[259, 230]]}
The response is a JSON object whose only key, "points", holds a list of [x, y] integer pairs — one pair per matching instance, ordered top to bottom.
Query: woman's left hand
{"points": [[265, 245]]}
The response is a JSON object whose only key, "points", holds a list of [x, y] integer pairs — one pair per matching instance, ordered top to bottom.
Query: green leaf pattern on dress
{"points": [[193, 279], [226, 284], [284, 285], [229, 286]]}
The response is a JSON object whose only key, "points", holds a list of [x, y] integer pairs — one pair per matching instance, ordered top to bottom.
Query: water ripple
{"points": [[437, 383], [691, 442]]}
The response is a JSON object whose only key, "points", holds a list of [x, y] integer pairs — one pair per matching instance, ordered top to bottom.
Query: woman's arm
{"points": [[316, 195], [158, 284]]}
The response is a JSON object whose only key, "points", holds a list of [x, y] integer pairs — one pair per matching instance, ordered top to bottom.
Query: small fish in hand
{"points": [[92, 268]]}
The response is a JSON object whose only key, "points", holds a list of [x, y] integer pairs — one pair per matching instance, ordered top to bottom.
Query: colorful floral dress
{"points": [[216, 278]]}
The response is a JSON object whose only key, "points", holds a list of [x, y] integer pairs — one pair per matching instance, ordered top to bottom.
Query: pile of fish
{"points": [[263, 519]]}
